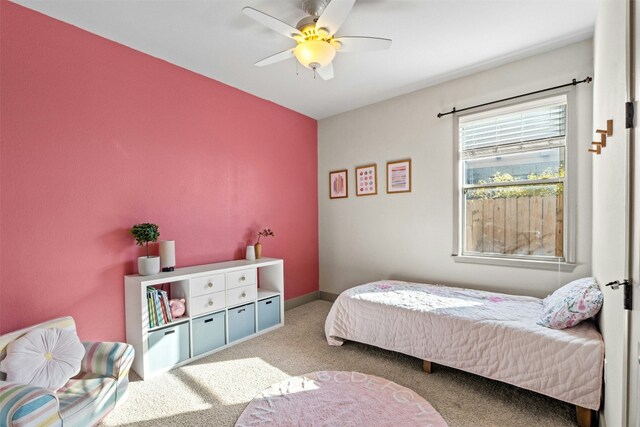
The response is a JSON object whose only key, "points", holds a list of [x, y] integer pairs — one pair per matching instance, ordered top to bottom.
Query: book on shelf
{"points": [[156, 300], [158, 306], [167, 308], [150, 310], [162, 310], [164, 315], [153, 320]]}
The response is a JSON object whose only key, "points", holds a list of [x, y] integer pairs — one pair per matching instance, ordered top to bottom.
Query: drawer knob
{"points": [[242, 279], [210, 285], [244, 294], [210, 302]]}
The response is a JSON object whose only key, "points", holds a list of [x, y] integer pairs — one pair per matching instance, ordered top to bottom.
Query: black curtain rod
{"points": [[573, 83]]}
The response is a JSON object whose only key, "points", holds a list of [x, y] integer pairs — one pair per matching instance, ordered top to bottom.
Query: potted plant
{"points": [[145, 233], [258, 246]]}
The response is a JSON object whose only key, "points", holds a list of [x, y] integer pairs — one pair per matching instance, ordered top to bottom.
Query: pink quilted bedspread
{"points": [[488, 334]]}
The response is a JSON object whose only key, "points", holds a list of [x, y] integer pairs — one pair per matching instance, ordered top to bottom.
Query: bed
{"points": [[488, 334]]}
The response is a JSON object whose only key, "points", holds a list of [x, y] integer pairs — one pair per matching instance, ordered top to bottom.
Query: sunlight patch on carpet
{"points": [[212, 380]]}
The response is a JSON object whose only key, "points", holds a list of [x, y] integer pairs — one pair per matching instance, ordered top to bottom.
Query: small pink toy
{"points": [[177, 307]]}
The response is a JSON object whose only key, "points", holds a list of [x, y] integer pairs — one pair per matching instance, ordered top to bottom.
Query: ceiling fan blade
{"points": [[334, 15], [269, 21], [362, 44], [277, 57], [325, 72]]}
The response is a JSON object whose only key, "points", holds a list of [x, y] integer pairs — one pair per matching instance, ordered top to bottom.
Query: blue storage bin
{"points": [[268, 312], [242, 321], [208, 333], [168, 346]]}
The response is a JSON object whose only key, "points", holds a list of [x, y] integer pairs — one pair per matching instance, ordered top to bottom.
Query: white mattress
{"points": [[488, 334]]}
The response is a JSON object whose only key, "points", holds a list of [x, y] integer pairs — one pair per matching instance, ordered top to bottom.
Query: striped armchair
{"points": [[86, 399]]}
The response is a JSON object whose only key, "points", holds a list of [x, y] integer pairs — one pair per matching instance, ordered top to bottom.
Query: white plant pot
{"points": [[148, 265]]}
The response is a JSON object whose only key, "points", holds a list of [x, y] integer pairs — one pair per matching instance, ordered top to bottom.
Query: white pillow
{"points": [[45, 358]]}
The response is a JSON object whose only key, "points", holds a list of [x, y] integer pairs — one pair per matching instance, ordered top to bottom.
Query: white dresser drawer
{"points": [[241, 278], [207, 284], [242, 295], [206, 303]]}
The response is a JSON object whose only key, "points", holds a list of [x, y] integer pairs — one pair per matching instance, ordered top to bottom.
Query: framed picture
{"points": [[399, 176], [366, 180], [338, 184]]}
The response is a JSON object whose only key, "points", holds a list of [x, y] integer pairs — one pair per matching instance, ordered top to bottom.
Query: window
{"points": [[513, 185]]}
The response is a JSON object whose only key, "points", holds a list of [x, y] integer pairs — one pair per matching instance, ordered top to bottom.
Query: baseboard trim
{"points": [[311, 296], [327, 296], [297, 301]]}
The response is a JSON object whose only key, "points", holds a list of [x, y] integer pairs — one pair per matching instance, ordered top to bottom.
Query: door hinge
{"points": [[629, 115], [628, 292]]}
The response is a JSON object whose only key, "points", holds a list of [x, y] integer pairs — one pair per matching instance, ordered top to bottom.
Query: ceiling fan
{"points": [[315, 35]]}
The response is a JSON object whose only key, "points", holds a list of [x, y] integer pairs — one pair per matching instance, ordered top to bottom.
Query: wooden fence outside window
{"points": [[526, 225]]}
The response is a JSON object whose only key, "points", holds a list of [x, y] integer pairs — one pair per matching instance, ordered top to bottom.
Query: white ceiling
{"points": [[433, 41]]}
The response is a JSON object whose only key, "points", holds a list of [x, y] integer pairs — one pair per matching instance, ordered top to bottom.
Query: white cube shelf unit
{"points": [[226, 303]]}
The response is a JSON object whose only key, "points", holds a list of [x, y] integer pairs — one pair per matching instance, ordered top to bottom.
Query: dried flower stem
{"points": [[265, 233]]}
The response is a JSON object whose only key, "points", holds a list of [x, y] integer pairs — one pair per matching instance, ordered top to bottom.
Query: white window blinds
{"points": [[528, 123]]}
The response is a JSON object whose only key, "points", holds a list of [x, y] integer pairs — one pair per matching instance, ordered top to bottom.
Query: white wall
{"points": [[409, 236]]}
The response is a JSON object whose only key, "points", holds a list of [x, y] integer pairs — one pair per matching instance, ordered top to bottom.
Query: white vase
{"points": [[251, 253], [148, 265]]}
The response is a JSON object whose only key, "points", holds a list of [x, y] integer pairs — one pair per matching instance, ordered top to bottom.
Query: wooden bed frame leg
{"points": [[426, 366], [584, 416]]}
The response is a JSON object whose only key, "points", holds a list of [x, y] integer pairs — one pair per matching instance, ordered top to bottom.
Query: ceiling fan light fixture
{"points": [[323, 33], [315, 35], [314, 53]]}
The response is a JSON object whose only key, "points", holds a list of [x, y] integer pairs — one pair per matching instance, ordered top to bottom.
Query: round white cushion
{"points": [[45, 358]]}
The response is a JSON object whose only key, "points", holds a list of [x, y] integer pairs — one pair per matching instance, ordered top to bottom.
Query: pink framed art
{"points": [[399, 176], [367, 180], [338, 184]]}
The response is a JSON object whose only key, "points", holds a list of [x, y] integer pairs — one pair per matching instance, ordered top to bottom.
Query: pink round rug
{"points": [[338, 398]]}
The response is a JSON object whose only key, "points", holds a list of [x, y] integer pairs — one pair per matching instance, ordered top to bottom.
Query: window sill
{"points": [[511, 262]]}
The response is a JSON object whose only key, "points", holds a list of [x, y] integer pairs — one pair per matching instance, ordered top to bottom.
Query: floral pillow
{"points": [[571, 304]]}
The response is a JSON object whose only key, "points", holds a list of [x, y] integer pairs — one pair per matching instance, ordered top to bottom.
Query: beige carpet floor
{"points": [[213, 391]]}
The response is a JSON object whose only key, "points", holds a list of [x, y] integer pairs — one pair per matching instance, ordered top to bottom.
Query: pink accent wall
{"points": [[96, 137]]}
